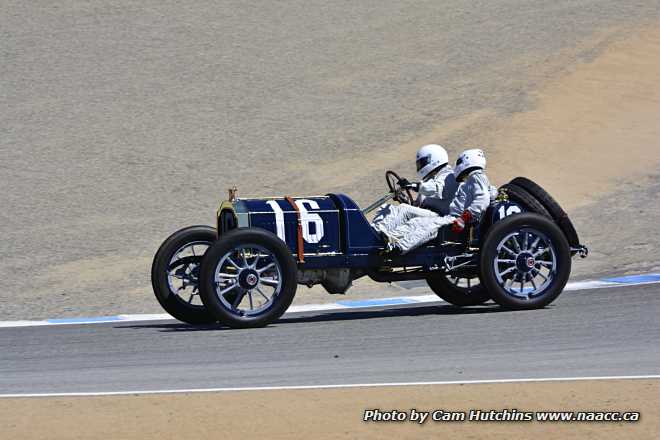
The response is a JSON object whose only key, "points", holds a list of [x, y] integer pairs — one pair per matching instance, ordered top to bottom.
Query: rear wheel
{"points": [[525, 261], [175, 274], [248, 278], [458, 291]]}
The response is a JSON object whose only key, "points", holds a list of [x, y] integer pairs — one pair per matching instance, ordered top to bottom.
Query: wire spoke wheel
{"points": [[526, 263], [183, 272], [175, 273], [248, 279], [464, 283], [459, 290]]}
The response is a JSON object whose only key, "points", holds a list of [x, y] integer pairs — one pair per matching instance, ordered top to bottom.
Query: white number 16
{"points": [[306, 219]]}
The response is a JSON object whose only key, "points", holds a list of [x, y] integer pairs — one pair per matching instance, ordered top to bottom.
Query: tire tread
{"points": [[557, 213]]}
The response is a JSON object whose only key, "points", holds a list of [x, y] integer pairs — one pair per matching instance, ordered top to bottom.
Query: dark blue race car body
{"points": [[336, 233]]}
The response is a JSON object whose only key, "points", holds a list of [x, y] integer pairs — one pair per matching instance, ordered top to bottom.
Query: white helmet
{"points": [[430, 157], [469, 160]]}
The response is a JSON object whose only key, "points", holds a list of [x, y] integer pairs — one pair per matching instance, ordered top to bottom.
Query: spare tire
{"points": [[526, 200], [551, 205]]}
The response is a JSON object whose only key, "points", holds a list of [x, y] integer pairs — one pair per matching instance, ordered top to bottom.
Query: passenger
{"points": [[475, 192]]}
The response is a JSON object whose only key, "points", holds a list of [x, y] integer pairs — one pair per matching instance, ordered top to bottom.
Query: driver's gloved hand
{"points": [[405, 183]]}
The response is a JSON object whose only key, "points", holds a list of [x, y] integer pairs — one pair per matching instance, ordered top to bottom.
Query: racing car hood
{"points": [[318, 217]]}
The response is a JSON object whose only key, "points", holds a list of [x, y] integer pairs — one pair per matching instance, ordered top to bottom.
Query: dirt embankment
{"points": [[593, 130]]}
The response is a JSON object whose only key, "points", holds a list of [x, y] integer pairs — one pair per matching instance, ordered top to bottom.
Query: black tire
{"points": [[526, 200], [551, 205], [248, 237], [555, 241], [457, 295], [169, 300]]}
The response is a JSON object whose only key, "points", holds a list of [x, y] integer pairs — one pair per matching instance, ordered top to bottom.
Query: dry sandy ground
{"points": [[114, 118], [335, 413]]}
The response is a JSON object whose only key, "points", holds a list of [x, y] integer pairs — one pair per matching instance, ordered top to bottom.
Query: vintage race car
{"points": [[244, 272]]}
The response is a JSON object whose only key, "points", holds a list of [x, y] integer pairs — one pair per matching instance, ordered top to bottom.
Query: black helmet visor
{"points": [[423, 161]]}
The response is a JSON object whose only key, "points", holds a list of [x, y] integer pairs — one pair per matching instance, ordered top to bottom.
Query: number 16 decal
{"points": [[307, 218], [279, 219]]}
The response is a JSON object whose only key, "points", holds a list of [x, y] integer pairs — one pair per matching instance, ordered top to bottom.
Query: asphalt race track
{"points": [[598, 332]]}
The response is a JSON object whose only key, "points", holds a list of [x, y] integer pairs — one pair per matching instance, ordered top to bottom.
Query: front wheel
{"points": [[525, 261], [175, 273], [248, 278], [458, 291]]}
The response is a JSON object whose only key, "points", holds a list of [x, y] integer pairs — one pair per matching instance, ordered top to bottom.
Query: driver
{"points": [[436, 190], [471, 201]]}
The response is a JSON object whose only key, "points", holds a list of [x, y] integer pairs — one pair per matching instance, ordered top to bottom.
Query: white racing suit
{"points": [[438, 192], [435, 194], [473, 195], [407, 227]]}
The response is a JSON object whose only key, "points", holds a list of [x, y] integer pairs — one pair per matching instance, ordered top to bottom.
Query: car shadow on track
{"points": [[392, 312], [348, 315]]}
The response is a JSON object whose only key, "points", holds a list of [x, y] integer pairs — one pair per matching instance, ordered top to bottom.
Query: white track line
{"points": [[334, 386]]}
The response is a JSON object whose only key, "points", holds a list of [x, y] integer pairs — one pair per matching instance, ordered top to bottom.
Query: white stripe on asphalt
{"points": [[635, 280], [351, 385]]}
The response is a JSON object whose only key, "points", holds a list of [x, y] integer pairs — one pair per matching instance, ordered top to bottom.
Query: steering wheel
{"points": [[401, 195]]}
